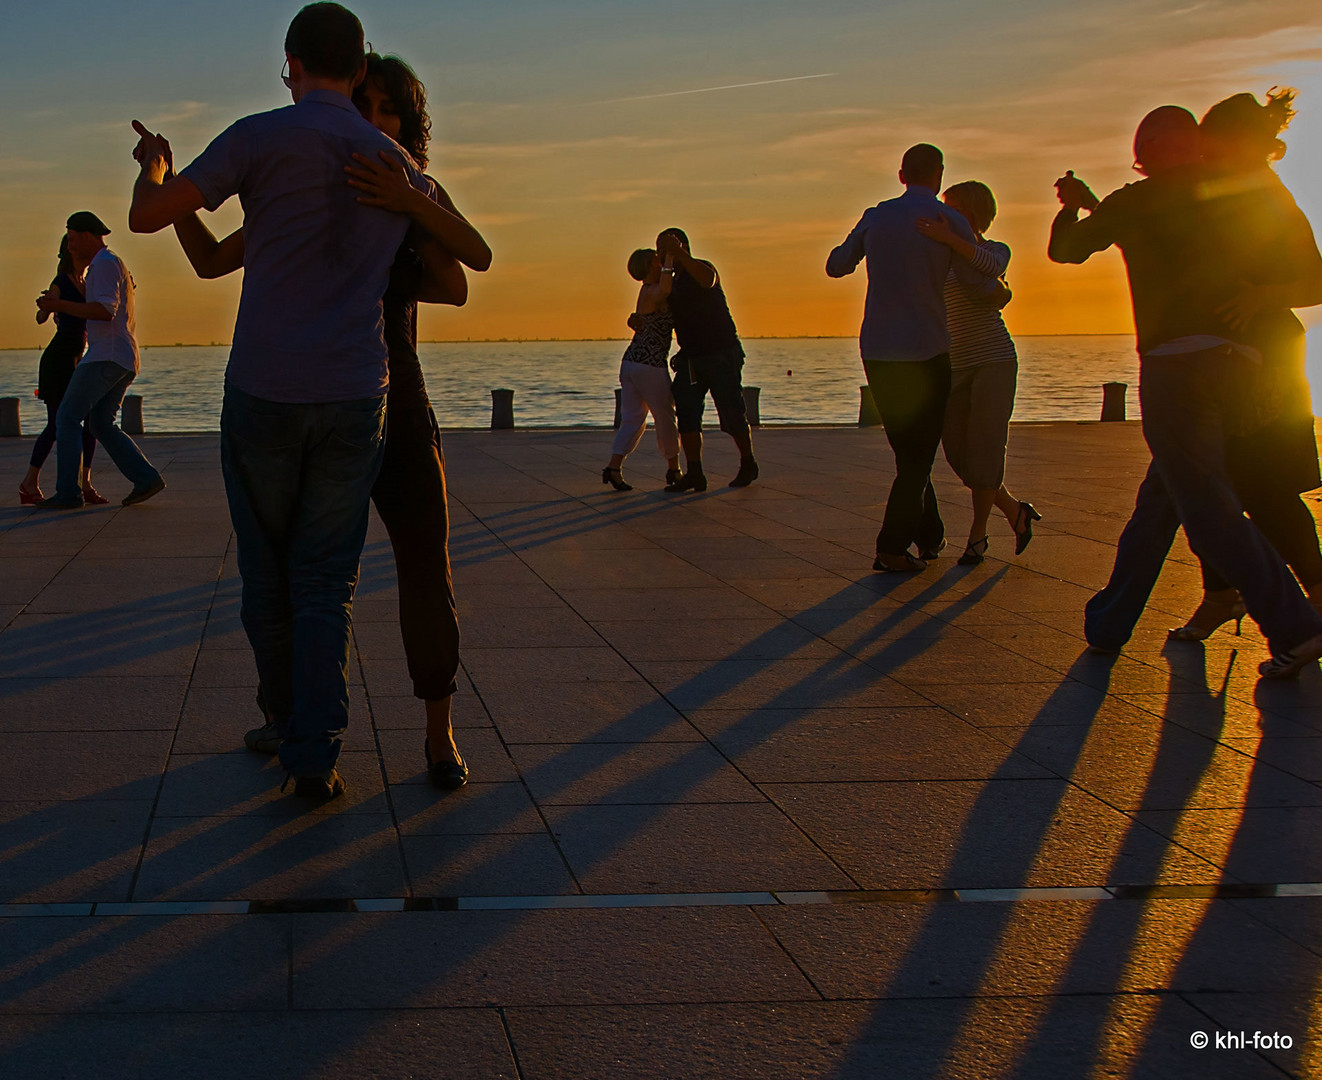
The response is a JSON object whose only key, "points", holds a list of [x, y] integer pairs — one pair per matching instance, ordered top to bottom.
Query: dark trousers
{"points": [[718, 373], [911, 398], [1188, 403], [42, 447], [298, 479], [410, 497], [1276, 508]]}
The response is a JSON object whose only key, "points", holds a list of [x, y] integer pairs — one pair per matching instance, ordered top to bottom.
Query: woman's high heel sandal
{"points": [[615, 478], [28, 498], [1024, 536], [975, 552], [1215, 611]]}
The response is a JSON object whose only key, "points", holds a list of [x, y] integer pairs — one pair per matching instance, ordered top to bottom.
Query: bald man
{"points": [[1196, 374]]}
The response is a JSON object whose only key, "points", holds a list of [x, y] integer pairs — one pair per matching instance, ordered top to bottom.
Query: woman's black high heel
{"points": [[673, 476], [615, 478], [1027, 515], [975, 552]]}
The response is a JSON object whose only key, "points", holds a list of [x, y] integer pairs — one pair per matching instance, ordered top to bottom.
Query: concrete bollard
{"points": [[1113, 400], [752, 405], [502, 409], [130, 415], [868, 416], [10, 424], [616, 424]]}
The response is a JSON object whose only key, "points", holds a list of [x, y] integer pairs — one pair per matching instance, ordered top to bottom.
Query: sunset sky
{"points": [[572, 131]]}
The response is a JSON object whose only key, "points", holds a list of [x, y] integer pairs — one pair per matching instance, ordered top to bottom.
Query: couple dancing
{"points": [[343, 235], [1217, 254], [683, 294], [939, 360]]}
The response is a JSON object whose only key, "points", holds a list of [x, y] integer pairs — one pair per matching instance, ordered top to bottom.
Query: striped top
{"points": [[977, 332], [651, 341]]}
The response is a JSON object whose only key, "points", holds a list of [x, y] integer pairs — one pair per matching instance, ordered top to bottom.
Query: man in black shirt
{"points": [[710, 358], [1198, 382]]}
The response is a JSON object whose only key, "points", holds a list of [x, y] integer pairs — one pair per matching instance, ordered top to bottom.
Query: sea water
{"points": [[572, 383]]}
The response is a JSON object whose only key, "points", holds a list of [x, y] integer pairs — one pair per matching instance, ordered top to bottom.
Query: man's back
{"points": [[316, 262], [904, 317]]}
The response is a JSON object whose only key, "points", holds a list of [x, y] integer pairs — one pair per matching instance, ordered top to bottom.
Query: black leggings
{"points": [[42, 447], [410, 497]]}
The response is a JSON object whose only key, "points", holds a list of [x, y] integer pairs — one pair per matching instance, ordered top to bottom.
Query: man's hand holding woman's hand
{"points": [[153, 153], [1074, 194], [669, 247], [48, 301]]}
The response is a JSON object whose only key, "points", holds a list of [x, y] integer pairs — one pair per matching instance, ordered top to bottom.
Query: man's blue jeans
{"points": [[96, 392], [1188, 403], [298, 479]]}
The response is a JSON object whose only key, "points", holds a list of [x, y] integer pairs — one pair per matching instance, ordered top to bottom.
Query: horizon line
{"points": [[563, 340]]}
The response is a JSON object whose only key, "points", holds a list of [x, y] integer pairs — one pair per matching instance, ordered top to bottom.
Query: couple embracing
{"points": [[343, 234], [681, 294]]}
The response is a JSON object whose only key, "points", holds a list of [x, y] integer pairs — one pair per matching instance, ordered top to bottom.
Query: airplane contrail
{"points": [[712, 89]]}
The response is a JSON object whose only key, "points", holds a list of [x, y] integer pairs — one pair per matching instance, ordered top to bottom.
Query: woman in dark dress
{"points": [[58, 360], [1276, 461], [410, 492]]}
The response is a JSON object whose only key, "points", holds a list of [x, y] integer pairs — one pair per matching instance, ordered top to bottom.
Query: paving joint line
{"points": [[601, 901]]}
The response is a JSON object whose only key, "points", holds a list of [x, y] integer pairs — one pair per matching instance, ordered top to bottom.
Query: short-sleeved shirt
{"points": [[316, 261], [1181, 272], [109, 284], [904, 315], [703, 323]]}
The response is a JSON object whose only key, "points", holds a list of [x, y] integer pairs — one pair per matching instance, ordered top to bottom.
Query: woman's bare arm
{"points": [[209, 257]]}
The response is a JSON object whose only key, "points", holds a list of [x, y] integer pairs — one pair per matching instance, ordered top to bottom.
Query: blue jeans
{"points": [[96, 391], [1189, 404], [298, 479]]}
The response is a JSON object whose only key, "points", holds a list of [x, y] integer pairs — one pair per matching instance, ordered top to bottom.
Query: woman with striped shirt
{"points": [[983, 369]]}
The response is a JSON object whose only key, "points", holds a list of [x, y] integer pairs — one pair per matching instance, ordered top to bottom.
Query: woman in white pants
{"points": [[644, 376]]}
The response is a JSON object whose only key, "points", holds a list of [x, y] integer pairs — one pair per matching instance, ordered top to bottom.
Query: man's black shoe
{"points": [[746, 475], [690, 481], [142, 494], [59, 502], [928, 554], [264, 740], [321, 788]]}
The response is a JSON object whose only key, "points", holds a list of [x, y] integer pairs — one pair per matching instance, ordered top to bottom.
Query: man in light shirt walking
{"points": [[103, 375]]}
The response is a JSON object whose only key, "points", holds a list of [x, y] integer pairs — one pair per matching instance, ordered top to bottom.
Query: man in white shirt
{"points": [[104, 373]]}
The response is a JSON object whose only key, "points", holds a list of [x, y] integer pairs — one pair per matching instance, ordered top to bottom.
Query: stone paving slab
{"points": [[706, 719]]}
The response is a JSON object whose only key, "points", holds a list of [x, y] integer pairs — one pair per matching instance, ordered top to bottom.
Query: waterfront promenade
{"points": [[739, 806]]}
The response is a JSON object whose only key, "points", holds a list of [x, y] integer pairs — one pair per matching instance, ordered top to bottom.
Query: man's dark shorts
{"points": [[718, 373]]}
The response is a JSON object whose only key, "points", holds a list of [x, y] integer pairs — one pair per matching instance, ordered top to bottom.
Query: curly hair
{"points": [[409, 96], [1240, 119]]}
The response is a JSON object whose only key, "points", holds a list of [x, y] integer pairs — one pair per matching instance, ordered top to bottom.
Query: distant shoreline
{"points": [[553, 341]]}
